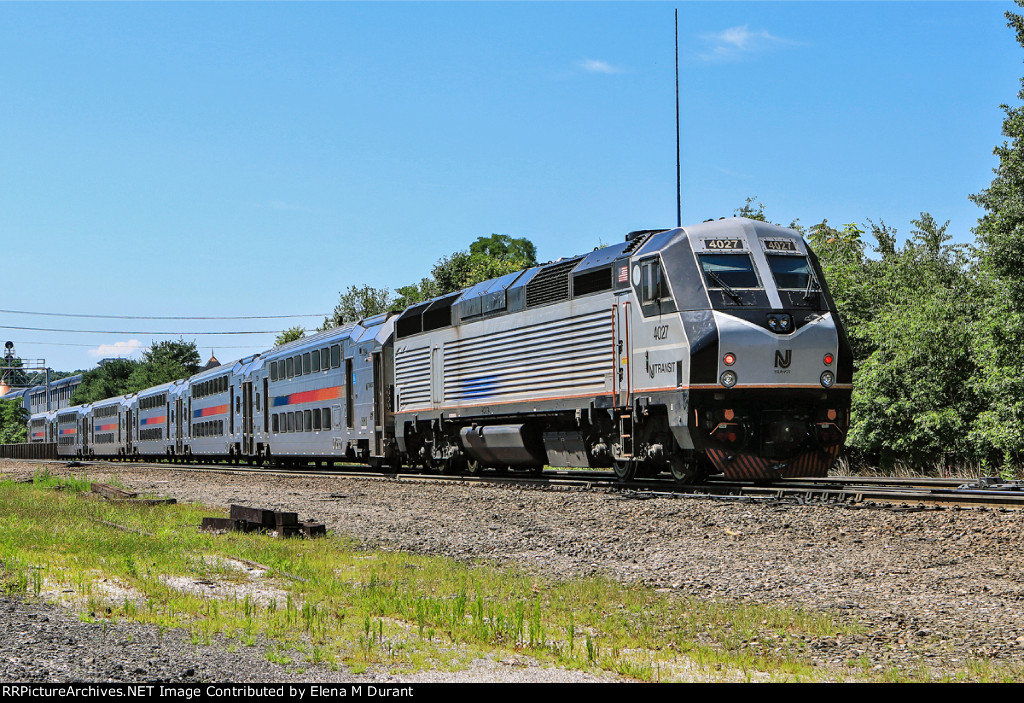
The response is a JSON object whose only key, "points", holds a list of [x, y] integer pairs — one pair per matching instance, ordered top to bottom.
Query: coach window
{"points": [[336, 356], [325, 358], [315, 360], [305, 363], [290, 364], [298, 364], [273, 370], [327, 418], [307, 420], [316, 420], [291, 422], [274, 424]]}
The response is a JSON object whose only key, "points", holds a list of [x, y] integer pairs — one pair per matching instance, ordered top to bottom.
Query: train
{"points": [[713, 348]]}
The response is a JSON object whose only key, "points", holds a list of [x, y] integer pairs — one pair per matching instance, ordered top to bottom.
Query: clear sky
{"points": [[254, 159]]}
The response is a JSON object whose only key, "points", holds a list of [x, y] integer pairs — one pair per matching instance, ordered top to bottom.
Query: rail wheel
{"points": [[625, 469], [683, 470]]}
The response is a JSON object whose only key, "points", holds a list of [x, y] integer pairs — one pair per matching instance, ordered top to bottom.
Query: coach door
{"points": [[621, 382], [378, 405], [179, 423], [247, 424], [128, 425]]}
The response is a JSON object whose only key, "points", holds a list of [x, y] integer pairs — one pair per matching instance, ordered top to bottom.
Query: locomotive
{"points": [[711, 348]]}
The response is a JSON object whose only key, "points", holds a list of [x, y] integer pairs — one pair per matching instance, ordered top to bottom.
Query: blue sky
{"points": [[253, 159]]}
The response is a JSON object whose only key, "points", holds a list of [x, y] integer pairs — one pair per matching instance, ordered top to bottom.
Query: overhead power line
{"points": [[155, 317], [150, 332], [145, 346]]}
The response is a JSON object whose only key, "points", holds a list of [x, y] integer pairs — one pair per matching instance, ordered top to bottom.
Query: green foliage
{"points": [[752, 209], [1000, 241], [502, 247], [487, 257], [356, 303], [290, 335], [164, 362], [161, 363], [108, 380], [913, 397], [13, 421]]}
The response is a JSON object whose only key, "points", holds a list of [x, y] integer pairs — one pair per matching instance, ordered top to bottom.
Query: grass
{"points": [[327, 603]]}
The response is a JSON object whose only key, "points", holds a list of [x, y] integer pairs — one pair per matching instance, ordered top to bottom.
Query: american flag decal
{"points": [[623, 274]]}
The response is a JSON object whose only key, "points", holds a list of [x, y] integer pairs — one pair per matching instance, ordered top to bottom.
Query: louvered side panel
{"points": [[563, 358], [412, 378]]}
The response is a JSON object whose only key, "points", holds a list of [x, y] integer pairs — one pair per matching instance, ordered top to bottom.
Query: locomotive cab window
{"points": [[729, 271], [790, 272], [654, 289]]}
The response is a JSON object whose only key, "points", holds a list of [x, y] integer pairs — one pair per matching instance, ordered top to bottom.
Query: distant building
{"points": [[211, 364]]}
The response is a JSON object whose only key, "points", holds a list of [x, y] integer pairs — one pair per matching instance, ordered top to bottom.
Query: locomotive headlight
{"points": [[780, 323], [728, 379], [827, 379]]}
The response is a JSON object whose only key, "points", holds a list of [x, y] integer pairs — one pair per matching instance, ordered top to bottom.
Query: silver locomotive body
{"points": [[712, 347]]}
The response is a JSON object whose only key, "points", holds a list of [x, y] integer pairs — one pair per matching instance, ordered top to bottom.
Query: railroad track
{"points": [[854, 491]]}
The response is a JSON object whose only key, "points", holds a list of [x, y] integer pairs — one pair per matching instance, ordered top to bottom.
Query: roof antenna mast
{"points": [[679, 185]]}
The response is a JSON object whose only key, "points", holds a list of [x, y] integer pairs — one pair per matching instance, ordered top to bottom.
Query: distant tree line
{"points": [[161, 363]]}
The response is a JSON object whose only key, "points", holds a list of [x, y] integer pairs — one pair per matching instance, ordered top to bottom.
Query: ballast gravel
{"points": [[932, 590]]}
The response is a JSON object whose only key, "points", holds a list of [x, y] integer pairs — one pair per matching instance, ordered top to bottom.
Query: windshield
{"points": [[729, 271], [790, 272]]}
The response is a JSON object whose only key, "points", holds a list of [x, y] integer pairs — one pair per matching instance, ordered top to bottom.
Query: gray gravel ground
{"points": [[934, 589]]}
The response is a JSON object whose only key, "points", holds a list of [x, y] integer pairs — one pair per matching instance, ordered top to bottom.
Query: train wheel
{"points": [[451, 465], [625, 469], [683, 470]]}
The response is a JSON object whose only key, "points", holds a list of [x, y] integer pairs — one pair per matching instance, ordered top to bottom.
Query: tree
{"points": [[748, 209], [1000, 247], [504, 248], [487, 257], [357, 303], [290, 335], [164, 362], [161, 363], [107, 380], [913, 399], [13, 421]]}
